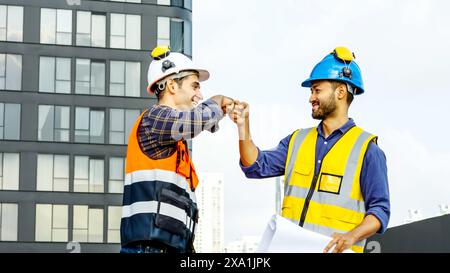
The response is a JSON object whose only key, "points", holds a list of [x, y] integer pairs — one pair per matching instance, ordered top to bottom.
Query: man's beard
{"points": [[325, 108]]}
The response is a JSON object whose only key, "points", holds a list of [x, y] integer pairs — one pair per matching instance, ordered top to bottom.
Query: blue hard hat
{"points": [[339, 66]]}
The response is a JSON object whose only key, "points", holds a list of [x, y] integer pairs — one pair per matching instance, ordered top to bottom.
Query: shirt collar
{"points": [[344, 128]]}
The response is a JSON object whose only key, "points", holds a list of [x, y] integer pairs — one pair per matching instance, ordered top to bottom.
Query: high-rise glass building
{"points": [[73, 76], [209, 232]]}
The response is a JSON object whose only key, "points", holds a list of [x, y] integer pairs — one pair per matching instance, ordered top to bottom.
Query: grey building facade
{"points": [[73, 76]]}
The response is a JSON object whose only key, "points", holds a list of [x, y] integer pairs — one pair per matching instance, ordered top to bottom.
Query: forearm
{"points": [[218, 99], [188, 124], [247, 149], [369, 226]]}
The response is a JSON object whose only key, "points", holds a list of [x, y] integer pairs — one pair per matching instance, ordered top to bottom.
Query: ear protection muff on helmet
{"points": [[345, 56]]}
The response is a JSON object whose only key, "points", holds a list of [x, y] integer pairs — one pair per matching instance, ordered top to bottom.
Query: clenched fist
{"points": [[240, 112]]}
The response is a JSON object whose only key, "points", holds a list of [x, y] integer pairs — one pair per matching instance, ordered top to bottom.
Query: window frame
{"points": [[126, 17], [56, 32], [90, 34], [8, 39], [55, 74], [5, 76], [90, 82], [125, 84], [3, 121], [55, 129], [125, 132], [53, 175], [89, 179], [114, 180], [16, 222], [52, 224], [87, 229], [109, 229]]}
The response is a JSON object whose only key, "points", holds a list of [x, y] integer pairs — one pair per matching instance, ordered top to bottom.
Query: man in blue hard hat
{"points": [[335, 174]]}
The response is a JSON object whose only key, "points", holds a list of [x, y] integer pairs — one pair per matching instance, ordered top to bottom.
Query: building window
{"points": [[128, 1], [163, 2], [176, 3], [188, 4], [11, 23], [56, 26], [91, 29], [125, 31], [176, 33], [10, 71], [54, 75], [90, 77], [125, 79], [9, 121], [54, 123], [120, 123], [89, 125], [9, 171], [52, 172], [88, 174], [116, 174], [114, 217], [8, 222], [52, 223], [87, 224]]}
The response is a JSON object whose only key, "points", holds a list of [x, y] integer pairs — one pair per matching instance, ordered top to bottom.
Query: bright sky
{"points": [[260, 51]]}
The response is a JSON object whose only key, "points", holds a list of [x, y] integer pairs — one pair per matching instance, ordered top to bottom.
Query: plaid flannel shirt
{"points": [[162, 127]]}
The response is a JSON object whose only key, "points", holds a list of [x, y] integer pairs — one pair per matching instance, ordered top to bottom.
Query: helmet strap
{"points": [[161, 85], [351, 89]]}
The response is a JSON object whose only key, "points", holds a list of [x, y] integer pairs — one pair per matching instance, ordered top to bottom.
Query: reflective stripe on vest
{"points": [[160, 175], [345, 203], [164, 209]]}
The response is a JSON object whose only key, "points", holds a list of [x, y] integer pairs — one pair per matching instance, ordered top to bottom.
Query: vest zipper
{"points": [[314, 182], [308, 199]]}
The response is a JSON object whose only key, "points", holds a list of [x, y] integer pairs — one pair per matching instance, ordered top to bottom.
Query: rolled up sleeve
{"points": [[269, 163], [374, 186]]}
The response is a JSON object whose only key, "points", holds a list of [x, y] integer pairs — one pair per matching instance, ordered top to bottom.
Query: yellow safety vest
{"points": [[330, 201]]}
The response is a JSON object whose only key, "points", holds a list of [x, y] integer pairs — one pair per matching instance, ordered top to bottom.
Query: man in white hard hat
{"points": [[159, 205]]}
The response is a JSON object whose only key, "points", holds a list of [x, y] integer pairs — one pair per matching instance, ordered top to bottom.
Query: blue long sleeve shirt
{"points": [[374, 181]]}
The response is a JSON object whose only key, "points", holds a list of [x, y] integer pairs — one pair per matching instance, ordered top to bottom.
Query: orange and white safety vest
{"points": [[159, 201]]}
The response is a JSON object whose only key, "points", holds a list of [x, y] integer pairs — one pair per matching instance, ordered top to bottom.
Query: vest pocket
{"points": [[303, 169], [301, 175], [172, 212], [339, 218]]}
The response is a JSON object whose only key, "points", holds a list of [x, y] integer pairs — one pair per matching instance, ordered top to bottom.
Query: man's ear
{"points": [[171, 86], [341, 91]]}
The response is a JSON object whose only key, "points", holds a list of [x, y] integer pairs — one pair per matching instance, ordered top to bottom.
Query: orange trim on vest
{"points": [[178, 162]]}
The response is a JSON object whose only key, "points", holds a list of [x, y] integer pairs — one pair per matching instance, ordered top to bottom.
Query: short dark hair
{"points": [[178, 81], [335, 85]]}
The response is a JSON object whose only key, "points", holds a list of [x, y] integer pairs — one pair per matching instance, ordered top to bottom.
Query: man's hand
{"points": [[225, 103], [240, 113], [341, 242]]}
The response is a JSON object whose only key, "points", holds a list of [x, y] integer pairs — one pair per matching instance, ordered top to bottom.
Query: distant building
{"points": [[279, 193], [444, 209], [414, 215], [209, 235], [247, 244]]}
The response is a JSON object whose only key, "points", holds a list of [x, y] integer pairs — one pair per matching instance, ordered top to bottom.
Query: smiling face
{"points": [[187, 92], [323, 99]]}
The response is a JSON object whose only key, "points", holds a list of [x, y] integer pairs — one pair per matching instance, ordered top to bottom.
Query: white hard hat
{"points": [[166, 63]]}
